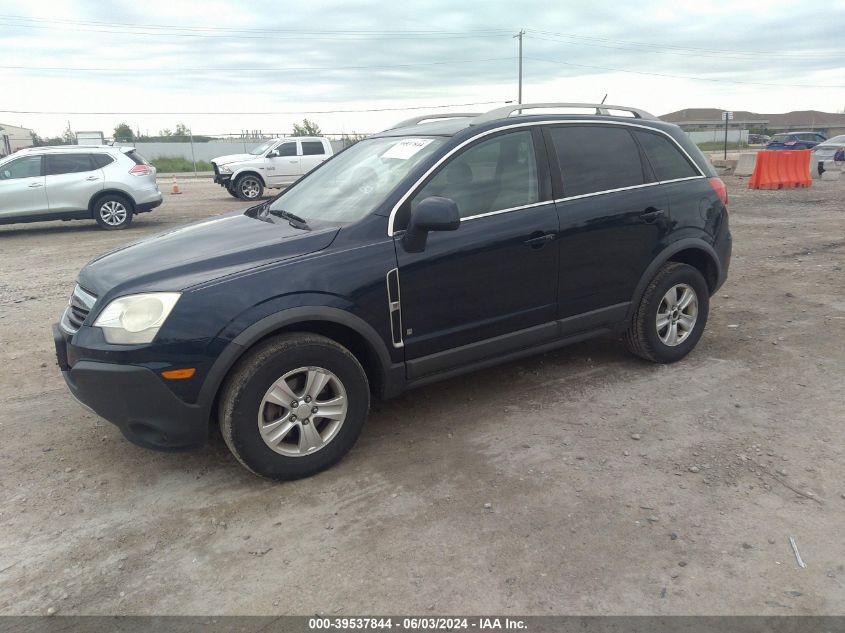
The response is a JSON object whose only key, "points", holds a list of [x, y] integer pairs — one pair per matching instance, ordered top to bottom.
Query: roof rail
{"points": [[601, 109], [431, 117]]}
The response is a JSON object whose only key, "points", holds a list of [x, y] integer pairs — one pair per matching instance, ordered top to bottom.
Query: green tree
{"points": [[307, 128], [182, 130], [123, 133], [68, 137], [350, 139]]}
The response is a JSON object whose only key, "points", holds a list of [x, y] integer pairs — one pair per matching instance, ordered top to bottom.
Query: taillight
{"points": [[141, 170], [720, 189]]}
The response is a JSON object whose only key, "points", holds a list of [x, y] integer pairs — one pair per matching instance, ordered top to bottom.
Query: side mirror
{"points": [[273, 154], [432, 214]]}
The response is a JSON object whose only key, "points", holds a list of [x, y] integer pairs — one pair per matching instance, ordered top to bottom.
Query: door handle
{"points": [[293, 162], [92, 178], [36, 184], [651, 215], [539, 239]]}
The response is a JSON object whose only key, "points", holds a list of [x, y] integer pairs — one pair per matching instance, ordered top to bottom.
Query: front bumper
{"points": [[221, 178], [134, 399]]}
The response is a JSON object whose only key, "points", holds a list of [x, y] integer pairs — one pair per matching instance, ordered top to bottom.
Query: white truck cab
{"points": [[274, 165]]}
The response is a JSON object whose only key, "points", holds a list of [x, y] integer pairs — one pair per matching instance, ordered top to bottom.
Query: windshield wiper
{"points": [[294, 220]]}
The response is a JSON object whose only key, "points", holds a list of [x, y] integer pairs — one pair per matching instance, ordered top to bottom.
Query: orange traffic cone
{"points": [[175, 188]]}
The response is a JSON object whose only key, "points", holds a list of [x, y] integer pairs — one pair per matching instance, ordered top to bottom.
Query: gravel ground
{"points": [[582, 481]]}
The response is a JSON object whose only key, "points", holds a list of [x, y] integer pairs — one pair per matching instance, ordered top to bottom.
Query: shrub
{"points": [[168, 164]]}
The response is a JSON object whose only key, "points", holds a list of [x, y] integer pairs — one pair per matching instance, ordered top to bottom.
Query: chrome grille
{"points": [[79, 306]]}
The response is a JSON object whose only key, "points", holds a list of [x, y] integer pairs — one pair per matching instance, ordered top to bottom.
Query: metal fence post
{"points": [[193, 157]]}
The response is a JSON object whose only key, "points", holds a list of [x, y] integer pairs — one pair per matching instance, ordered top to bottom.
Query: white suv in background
{"points": [[275, 164], [107, 184]]}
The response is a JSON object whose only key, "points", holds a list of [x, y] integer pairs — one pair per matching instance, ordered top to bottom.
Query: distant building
{"points": [[693, 119], [13, 138], [90, 138]]}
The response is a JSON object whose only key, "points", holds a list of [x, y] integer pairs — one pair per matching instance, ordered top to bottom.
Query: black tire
{"points": [[230, 187], [248, 187], [113, 211], [642, 337], [249, 382]]}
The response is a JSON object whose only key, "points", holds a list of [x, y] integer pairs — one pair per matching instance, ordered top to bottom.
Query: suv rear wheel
{"points": [[248, 187], [113, 212], [671, 316], [294, 406]]}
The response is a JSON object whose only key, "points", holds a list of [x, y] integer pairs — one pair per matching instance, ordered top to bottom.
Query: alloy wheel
{"points": [[250, 188], [113, 213], [677, 314], [302, 411]]}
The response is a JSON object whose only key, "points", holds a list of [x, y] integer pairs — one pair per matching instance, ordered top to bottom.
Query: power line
{"points": [[256, 30], [286, 34], [668, 46], [833, 54], [252, 69], [642, 72], [434, 107]]}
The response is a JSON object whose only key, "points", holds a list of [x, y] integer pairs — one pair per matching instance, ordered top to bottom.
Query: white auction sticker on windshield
{"points": [[406, 148]]}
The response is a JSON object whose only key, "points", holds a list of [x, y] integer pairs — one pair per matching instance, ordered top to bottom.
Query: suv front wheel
{"points": [[113, 212], [671, 315], [294, 406]]}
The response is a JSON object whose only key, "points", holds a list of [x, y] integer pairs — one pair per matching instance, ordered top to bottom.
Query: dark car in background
{"points": [[795, 140], [443, 245]]}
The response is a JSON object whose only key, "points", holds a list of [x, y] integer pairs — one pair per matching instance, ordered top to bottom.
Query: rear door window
{"points": [[312, 148], [594, 158], [665, 158], [68, 163], [493, 175]]}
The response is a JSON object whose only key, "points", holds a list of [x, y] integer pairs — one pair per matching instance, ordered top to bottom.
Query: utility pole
{"points": [[519, 35], [728, 116]]}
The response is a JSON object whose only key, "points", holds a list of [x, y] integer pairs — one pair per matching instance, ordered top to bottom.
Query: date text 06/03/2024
{"points": [[416, 624]]}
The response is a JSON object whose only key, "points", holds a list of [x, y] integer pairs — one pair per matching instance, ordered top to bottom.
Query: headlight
{"points": [[224, 169], [136, 319]]}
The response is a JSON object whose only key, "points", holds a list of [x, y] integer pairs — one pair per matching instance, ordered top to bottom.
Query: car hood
{"points": [[235, 158], [199, 253]]}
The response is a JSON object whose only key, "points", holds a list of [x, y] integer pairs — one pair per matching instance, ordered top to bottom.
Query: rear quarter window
{"points": [[137, 158], [596, 158], [665, 158], [101, 160]]}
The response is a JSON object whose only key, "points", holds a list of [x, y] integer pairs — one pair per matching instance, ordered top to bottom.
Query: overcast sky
{"points": [[229, 57]]}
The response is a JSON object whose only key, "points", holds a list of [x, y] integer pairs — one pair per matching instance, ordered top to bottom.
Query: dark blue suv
{"points": [[443, 245]]}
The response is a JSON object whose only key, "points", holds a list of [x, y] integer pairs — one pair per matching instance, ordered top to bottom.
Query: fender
{"points": [[248, 170], [107, 191], [664, 256], [255, 332]]}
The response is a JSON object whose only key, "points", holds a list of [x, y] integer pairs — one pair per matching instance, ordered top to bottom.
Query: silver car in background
{"points": [[825, 151], [107, 184]]}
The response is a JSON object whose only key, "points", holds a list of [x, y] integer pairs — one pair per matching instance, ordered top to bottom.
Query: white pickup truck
{"points": [[274, 165]]}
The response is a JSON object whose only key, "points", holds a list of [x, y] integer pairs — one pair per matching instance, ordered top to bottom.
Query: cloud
{"points": [[285, 59]]}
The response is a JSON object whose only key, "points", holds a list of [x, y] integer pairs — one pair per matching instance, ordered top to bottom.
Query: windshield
{"points": [[836, 140], [255, 151], [355, 182]]}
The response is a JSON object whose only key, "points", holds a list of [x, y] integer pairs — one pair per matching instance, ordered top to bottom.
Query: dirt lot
{"points": [[614, 486]]}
